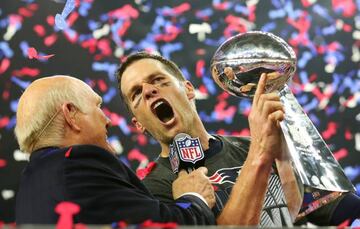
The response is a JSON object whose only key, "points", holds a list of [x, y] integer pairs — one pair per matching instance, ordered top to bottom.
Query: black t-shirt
{"points": [[224, 160]]}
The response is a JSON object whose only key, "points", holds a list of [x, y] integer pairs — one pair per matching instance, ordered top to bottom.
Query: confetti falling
{"points": [[90, 38], [32, 53]]}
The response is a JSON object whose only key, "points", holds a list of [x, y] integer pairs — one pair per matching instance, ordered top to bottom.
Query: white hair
{"points": [[38, 123]]}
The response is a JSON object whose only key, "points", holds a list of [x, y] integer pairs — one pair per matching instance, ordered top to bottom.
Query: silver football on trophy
{"points": [[238, 63]]}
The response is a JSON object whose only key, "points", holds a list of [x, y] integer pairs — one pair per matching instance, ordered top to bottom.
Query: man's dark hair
{"points": [[169, 65]]}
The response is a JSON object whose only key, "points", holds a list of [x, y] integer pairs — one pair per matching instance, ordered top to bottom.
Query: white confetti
{"points": [[200, 29], [105, 30], [10, 32], [200, 95], [357, 141], [116, 144], [20, 156], [7, 194]]}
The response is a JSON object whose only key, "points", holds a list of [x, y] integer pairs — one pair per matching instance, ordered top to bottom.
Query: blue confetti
{"points": [[184, 205]]}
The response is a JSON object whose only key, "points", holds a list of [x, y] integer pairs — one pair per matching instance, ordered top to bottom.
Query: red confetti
{"points": [[221, 5], [33, 6], [348, 7], [180, 9], [25, 12], [124, 12], [252, 15], [72, 18], [15, 19], [50, 20], [235, 25], [347, 28], [39, 30], [122, 30], [171, 34], [72, 37], [50, 40], [90, 44], [104, 46], [200, 52], [32, 53], [4, 65], [200, 68], [26, 71], [102, 85], [203, 89], [6, 94], [224, 95], [222, 112], [114, 117], [4, 122], [330, 131], [221, 132], [243, 132], [348, 135], [142, 139], [67, 154], [135, 154], [340, 154], [2, 163], [142, 173], [66, 210], [150, 223], [122, 224], [344, 224], [80, 226]]}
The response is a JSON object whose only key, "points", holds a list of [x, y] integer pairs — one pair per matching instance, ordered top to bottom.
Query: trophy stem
{"points": [[311, 157]]}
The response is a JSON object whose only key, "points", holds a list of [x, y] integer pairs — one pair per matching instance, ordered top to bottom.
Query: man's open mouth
{"points": [[162, 110]]}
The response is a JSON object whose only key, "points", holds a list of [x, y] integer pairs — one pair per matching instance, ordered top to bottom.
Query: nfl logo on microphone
{"points": [[189, 149]]}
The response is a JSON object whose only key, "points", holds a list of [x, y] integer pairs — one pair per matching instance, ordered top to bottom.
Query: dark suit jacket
{"points": [[106, 190]]}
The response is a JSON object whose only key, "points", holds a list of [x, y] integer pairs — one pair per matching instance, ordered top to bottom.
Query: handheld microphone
{"points": [[186, 153]]}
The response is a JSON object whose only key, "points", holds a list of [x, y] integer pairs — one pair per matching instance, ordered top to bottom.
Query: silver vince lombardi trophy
{"points": [[236, 67]]}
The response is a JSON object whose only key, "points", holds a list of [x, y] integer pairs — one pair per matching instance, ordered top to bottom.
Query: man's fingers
{"points": [[260, 88], [264, 98], [272, 106], [277, 116], [203, 170], [182, 173]]}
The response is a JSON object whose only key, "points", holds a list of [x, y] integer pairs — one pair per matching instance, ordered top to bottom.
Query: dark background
{"points": [[324, 34]]}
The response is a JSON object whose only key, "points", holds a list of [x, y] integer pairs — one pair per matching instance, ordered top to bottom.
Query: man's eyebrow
{"points": [[147, 79]]}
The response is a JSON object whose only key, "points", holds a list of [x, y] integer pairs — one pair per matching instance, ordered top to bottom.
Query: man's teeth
{"points": [[158, 103]]}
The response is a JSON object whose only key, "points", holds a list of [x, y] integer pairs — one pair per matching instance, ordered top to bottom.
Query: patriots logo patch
{"points": [[224, 175]]}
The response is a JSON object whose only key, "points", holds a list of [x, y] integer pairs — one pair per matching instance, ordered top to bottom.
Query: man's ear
{"points": [[190, 90], [69, 110], [138, 125]]}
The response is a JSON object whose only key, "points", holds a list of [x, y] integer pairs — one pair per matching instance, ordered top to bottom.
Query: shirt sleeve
{"points": [[107, 191]]}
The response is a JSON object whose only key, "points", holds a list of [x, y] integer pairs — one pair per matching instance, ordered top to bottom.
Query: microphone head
{"points": [[186, 153]]}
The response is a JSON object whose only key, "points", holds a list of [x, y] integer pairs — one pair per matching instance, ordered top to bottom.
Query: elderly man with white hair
{"points": [[61, 124]]}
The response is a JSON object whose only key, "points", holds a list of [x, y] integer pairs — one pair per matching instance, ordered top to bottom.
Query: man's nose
{"points": [[149, 90]]}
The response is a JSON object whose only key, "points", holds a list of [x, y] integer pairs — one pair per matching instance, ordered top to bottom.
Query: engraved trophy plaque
{"points": [[236, 67]]}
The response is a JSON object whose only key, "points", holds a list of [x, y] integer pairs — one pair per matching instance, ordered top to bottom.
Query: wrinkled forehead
{"points": [[139, 71]]}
